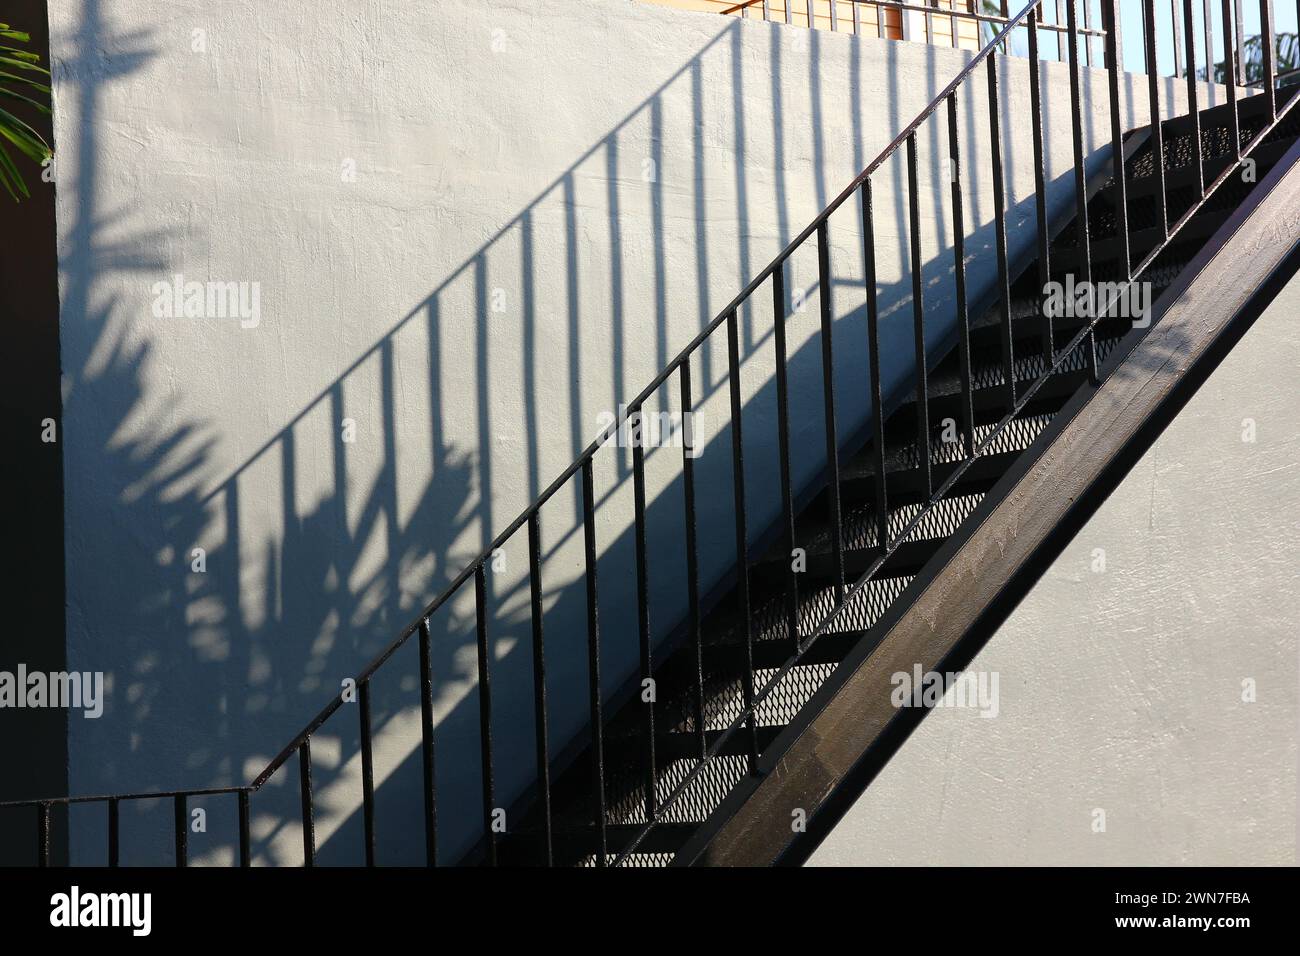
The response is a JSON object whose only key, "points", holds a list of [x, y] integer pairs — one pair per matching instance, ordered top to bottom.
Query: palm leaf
{"points": [[18, 64], [20, 75], [26, 81], [15, 95], [24, 137], [11, 178]]}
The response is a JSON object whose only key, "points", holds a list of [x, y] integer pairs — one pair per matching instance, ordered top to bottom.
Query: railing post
{"points": [[1087, 26], [1240, 35], [1178, 37], [1209, 41], [1268, 47], [1230, 66], [1193, 108], [1157, 121], [1117, 136], [1040, 186], [1000, 224], [1084, 240], [959, 271], [824, 299], [918, 318], [873, 346], [783, 452], [742, 536], [643, 601], [593, 662], [539, 675], [485, 713], [426, 745], [367, 772], [305, 796], [181, 829], [245, 841]]}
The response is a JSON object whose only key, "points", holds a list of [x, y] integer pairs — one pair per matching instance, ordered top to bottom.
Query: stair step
{"points": [[1250, 109], [1141, 242], [906, 559]]}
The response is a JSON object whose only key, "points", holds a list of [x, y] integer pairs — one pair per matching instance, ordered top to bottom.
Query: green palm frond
{"points": [[20, 82]]}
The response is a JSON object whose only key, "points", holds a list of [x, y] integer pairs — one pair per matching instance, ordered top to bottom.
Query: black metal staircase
{"points": [[741, 683]]}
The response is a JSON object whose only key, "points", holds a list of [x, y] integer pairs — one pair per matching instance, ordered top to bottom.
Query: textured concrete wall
{"points": [[473, 228], [1122, 689]]}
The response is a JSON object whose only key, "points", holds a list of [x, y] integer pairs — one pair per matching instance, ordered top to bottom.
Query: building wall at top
{"points": [[473, 228]]}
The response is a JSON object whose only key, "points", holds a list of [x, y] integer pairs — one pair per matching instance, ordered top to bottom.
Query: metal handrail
{"points": [[775, 273]]}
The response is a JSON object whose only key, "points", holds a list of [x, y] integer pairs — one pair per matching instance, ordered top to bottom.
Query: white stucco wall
{"points": [[473, 228], [1122, 690]]}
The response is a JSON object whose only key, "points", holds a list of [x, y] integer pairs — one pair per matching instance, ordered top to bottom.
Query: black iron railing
{"points": [[857, 199]]}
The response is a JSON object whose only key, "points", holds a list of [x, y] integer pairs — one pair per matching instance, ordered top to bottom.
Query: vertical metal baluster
{"points": [[789, 11], [767, 12], [1005, 12], [857, 17], [812, 20], [835, 20], [904, 23], [929, 23], [952, 23], [1087, 26], [1240, 36], [1178, 37], [1144, 40], [1209, 42], [1268, 46], [1230, 77], [1193, 110], [1157, 122], [1117, 137], [1040, 186], [1000, 223], [1084, 248], [959, 269], [918, 319], [873, 345], [828, 407], [689, 451], [783, 453], [742, 536], [643, 603], [593, 662], [539, 681], [485, 713], [426, 745], [367, 773], [305, 795], [181, 830], [43, 835], [245, 841], [114, 848]]}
